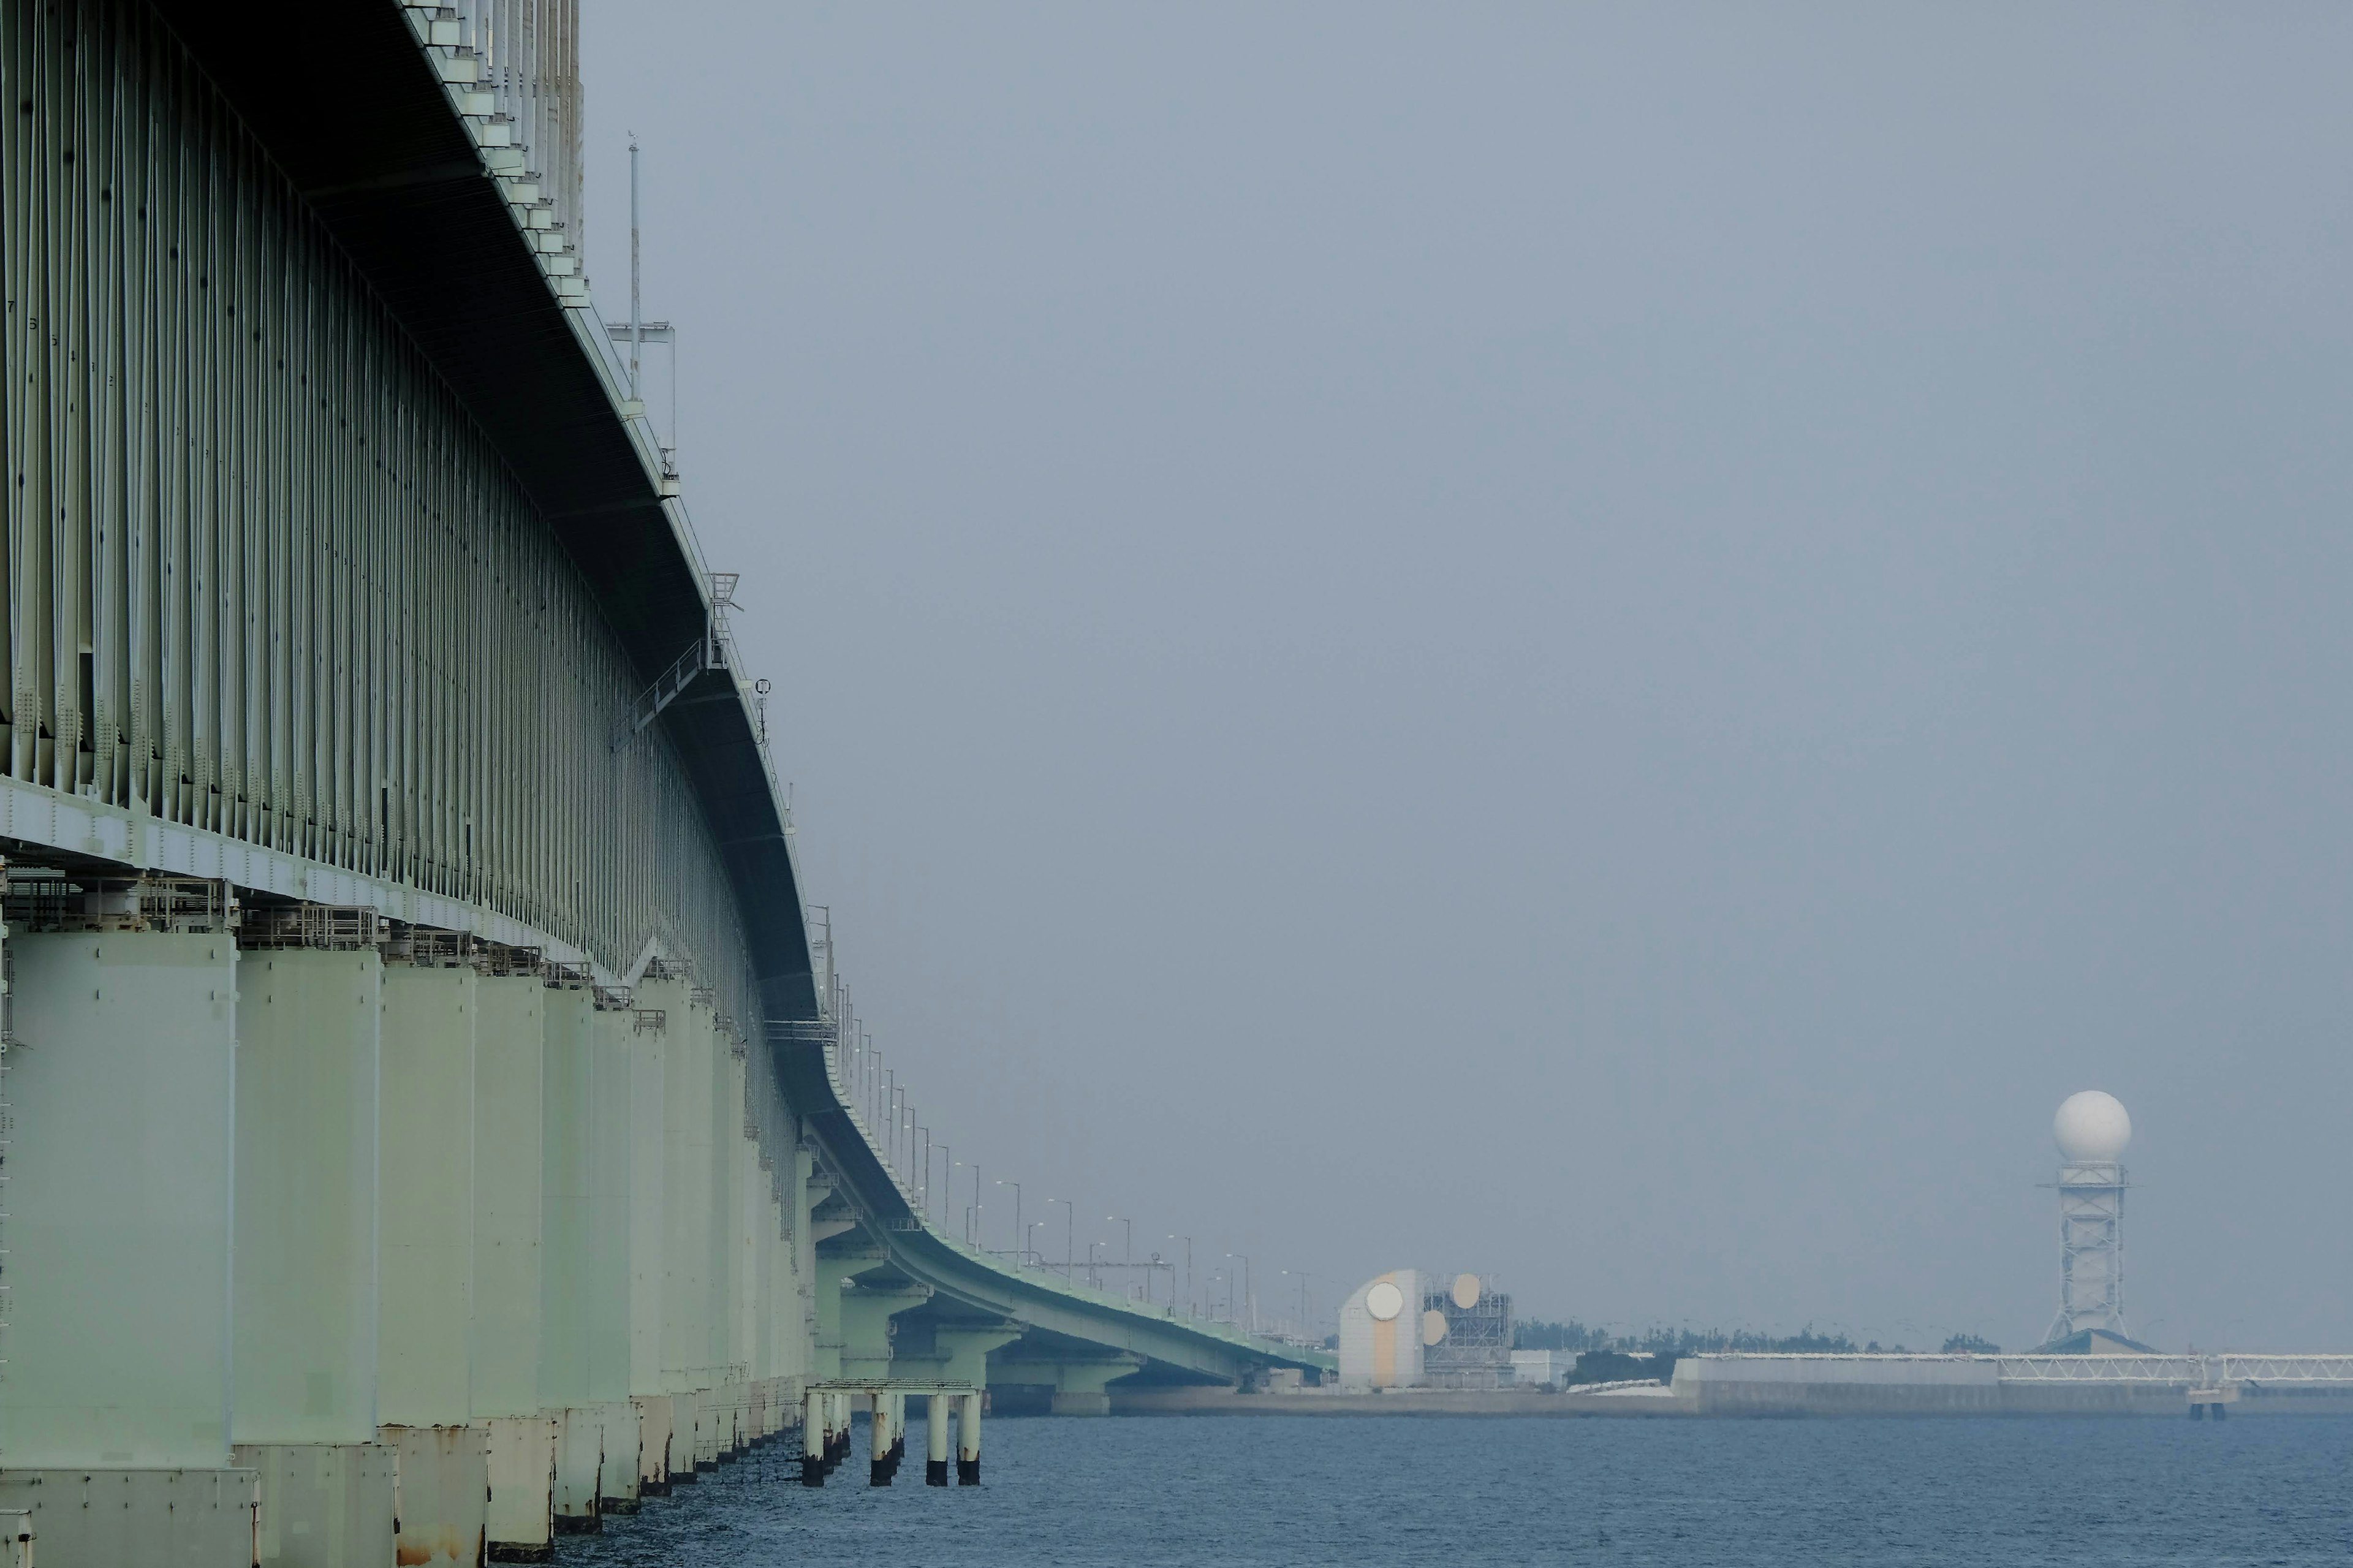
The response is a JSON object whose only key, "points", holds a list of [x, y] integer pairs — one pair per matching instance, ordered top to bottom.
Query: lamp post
{"points": [[973, 1212], [1034, 1224], [1020, 1232], [1070, 1234], [1127, 1248], [1188, 1269], [1302, 1275], [1094, 1280], [1250, 1303]]}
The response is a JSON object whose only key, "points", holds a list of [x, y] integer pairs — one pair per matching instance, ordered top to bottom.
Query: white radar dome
{"points": [[2092, 1128]]}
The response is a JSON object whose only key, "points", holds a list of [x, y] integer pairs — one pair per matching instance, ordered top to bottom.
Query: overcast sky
{"points": [[1607, 644]]}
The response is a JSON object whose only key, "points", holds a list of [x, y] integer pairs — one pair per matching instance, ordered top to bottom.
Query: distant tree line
{"points": [[1536, 1334]]}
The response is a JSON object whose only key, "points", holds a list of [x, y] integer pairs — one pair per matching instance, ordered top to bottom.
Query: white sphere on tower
{"points": [[2092, 1128]]}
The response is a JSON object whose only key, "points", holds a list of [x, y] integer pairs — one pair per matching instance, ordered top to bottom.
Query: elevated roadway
{"points": [[418, 1070]]}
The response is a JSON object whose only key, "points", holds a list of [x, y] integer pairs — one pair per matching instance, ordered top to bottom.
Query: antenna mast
{"points": [[637, 327]]}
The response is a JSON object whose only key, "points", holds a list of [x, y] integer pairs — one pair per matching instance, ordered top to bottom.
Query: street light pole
{"points": [[1020, 1231], [1069, 1234], [1188, 1269], [1302, 1274], [1250, 1303]]}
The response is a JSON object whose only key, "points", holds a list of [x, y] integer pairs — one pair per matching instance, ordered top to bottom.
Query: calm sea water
{"points": [[1379, 1490]]}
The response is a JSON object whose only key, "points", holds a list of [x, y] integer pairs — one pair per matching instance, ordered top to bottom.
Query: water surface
{"points": [[1397, 1490]]}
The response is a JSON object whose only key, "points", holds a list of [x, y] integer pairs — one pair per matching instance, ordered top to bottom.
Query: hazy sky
{"points": [[1607, 644]]}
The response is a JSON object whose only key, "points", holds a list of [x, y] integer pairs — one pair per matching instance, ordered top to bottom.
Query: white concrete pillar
{"points": [[307, 1024], [510, 1047], [510, 1166], [687, 1196], [119, 1201], [649, 1204], [568, 1254], [426, 1269], [567, 1272], [610, 1291], [729, 1345], [305, 1420], [881, 1439], [654, 1440], [813, 1440], [968, 1441], [935, 1445], [441, 1496], [325, 1505], [520, 1521]]}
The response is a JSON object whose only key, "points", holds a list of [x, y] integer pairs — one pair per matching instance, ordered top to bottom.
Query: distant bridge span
{"points": [[416, 1070]]}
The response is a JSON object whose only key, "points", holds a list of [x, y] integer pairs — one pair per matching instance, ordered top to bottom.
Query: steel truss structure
{"points": [[265, 577], [2091, 1249]]}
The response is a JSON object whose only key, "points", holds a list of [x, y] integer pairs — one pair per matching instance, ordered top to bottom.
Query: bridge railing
{"points": [[525, 56], [839, 1037]]}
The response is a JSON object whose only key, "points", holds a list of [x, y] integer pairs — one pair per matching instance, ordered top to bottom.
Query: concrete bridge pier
{"points": [[668, 1014], [647, 1121], [510, 1168], [118, 1233], [611, 1241], [425, 1255], [305, 1292], [866, 1311], [584, 1374], [1083, 1387], [651, 1413], [837, 1430], [813, 1436], [881, 1439], [968, 1441], [935, 1445]]}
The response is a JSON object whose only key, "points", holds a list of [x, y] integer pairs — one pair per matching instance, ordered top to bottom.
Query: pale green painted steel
{"points": [[265, 577], [281, 614], [307, 1028], [510, 1044], [689, 1093], [119, 1199], [648, 1209], [426, 1265], [569, 1284], [609, 1292], [324, 1505]]}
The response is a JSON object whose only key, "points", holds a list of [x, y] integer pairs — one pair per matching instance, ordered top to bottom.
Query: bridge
{"points": [[419, 1079]]}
